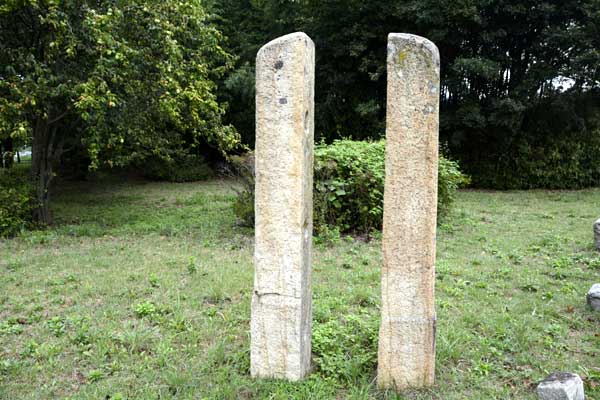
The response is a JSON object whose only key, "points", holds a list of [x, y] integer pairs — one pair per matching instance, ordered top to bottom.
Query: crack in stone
{"points": [[257, 293]]}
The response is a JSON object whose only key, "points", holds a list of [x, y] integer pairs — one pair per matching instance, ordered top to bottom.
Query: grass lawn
{"points": [[24, 156], [142, 291]]}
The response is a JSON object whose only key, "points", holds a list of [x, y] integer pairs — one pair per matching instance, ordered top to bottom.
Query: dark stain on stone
{"points": [[279, 64], [283, 100], [428, 109], [562, 377]]}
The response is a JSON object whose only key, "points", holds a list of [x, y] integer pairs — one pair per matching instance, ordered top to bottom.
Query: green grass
{"points": [[25, 158], [142, 290]]}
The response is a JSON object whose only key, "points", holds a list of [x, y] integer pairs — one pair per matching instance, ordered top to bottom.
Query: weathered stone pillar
{"points": [[281, 303], [407, 333]]}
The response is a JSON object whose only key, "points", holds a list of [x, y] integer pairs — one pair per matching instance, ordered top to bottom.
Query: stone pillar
{"points": [[281, 303], [406, 356]]}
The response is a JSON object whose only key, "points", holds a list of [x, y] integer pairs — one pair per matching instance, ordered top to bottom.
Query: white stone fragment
{"points": [[593, 297], [281, 302], [406, 357], [561, 386]]}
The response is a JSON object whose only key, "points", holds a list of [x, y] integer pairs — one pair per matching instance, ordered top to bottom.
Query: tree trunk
{"points": [[46, 150], [9, 153]]}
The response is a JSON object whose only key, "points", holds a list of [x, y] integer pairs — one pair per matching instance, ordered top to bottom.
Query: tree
{"points": [[247, 25], [501, 62], [125, 79]]}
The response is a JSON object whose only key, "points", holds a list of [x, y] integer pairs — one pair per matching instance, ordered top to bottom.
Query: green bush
{"points": [[557, 147], [562, 162], [186, 168], [349, 179], [450, 179], [348, 187], [16, 201], [243, 206], [346, 349]]}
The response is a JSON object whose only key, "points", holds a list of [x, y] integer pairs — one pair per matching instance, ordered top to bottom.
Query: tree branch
{"points": [[58, 118]]}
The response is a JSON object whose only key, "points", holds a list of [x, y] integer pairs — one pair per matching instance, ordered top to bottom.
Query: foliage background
{"points": [[520, 79], [117, 81], [154, 85], [348, 187], [16, 201]]}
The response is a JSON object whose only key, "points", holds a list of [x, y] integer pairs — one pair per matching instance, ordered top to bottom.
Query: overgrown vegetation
{"points": [[519, 79], [122, 81], [90, 84], [557, 148], [569, 162], [184, 168], [242, 168], [349, 183], [348, 187], [16, 201], [510, 295], [345, 349]]}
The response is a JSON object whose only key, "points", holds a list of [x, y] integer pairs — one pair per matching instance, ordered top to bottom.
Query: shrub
{"points": [[556, 147], [561, 162], [186, 168], [349, 179], [450, 179], [348, 187], [16, 201], [243, 206], [346, 349]]}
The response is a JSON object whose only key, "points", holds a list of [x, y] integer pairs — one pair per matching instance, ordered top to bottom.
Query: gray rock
{"points": [[597, 235], [593, 297], [561, 386]]}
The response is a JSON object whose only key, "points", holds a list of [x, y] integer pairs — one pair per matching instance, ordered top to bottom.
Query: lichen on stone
{"points": [[402, 56]]}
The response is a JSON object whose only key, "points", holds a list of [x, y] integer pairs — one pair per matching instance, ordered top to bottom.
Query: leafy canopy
{"points": [[504, 64], [126, 79]]}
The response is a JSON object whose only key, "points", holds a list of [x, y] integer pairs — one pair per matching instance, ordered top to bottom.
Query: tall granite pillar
{"points": [[281, 302], [406, 356]]}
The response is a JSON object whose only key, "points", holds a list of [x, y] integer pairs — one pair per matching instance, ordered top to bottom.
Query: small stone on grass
{"points": [[593, 297], [561, 386]]}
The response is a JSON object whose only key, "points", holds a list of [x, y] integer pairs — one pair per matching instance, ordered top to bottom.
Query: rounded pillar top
{"points": [[286, 40], [400, 40]]}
